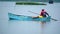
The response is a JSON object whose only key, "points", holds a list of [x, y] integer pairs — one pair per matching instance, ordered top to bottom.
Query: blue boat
{"points": [[27, 18]]}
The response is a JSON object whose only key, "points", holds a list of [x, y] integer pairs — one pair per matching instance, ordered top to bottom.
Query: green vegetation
{"points": [[29, 3]]}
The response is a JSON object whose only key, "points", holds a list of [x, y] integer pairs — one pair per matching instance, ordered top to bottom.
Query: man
{"points": [[44, 13]]}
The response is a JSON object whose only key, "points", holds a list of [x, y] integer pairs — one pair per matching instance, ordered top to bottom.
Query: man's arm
{"points": [[47, 13]]}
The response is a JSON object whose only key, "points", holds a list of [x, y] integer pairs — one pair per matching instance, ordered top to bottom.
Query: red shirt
{"points": [[42, 13]]}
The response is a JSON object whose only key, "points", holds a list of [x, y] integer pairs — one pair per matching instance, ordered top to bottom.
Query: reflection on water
{"points": [[33, 27]]}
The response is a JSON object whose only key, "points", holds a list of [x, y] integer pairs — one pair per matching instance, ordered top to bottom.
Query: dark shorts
{"points": [[44, 16]]}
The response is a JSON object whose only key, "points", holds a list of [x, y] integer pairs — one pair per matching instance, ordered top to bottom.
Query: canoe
{"points": [[27, 18]]}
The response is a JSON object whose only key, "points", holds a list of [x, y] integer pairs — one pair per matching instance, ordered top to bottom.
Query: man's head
{"points": [[42, 9]]}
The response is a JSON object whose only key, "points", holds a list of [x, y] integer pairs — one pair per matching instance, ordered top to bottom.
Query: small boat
{"points": [[27, 18]]}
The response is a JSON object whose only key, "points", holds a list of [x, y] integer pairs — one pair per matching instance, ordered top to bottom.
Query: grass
{"points": [[30, 3]]}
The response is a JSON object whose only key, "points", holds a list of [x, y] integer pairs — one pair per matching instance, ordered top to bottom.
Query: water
{"points": [[24, 27], [28, 27], [33, 27]]}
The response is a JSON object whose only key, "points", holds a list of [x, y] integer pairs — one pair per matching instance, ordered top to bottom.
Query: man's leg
{"points": [[35, 17]]}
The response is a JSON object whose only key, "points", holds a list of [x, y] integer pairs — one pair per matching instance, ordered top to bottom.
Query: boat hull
{"points": [[27, 18]]}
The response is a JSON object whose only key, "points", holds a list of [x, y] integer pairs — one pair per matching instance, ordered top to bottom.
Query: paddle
{"points": [[39, 14], [54, 19]]}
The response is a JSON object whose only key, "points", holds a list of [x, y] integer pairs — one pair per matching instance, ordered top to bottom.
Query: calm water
{"points": [[28, 27], [33, 27]]}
